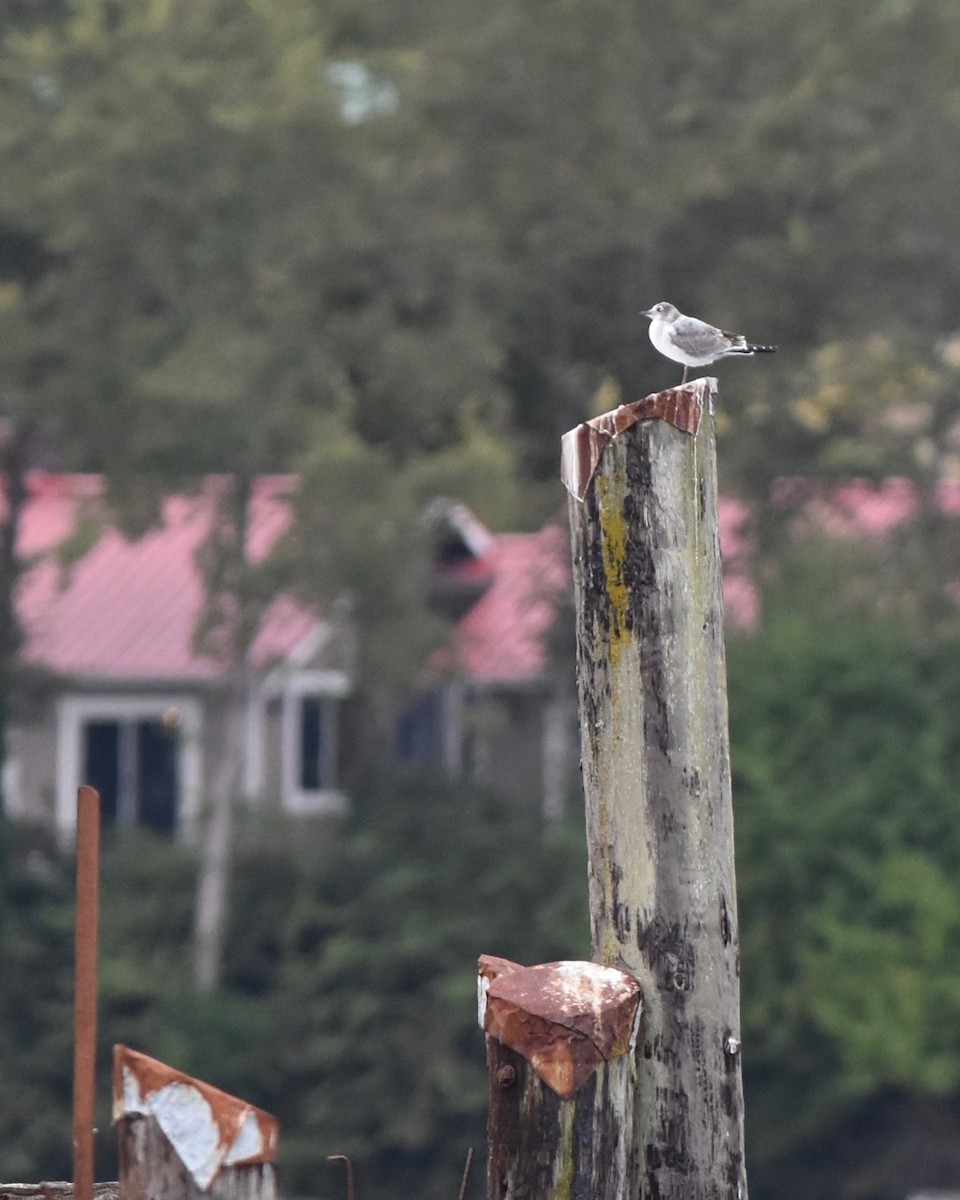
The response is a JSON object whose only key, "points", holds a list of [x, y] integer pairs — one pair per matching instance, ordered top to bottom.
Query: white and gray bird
{"points": [[694, 343]]}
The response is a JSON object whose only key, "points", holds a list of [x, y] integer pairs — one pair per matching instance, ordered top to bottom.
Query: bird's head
{"points": [[663, 309]]}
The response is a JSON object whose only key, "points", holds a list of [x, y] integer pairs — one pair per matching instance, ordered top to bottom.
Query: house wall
{"points": [[503, 736], [523, 745], [273, 752], [46, 753], [47, 761], [31, 778]]}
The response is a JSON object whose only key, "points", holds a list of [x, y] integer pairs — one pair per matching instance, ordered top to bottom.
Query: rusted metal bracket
{"points": [[582, 448], [351, 1182]]}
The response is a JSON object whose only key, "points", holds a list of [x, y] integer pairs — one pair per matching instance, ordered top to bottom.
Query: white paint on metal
{"points": [[483, 987], [186, 1119], [188, 1122], [247, 1144]]}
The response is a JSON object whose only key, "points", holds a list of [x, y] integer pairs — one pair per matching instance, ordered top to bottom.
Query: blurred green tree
{"points": [[845, 752]]}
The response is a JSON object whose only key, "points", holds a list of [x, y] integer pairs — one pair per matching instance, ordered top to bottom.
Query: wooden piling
{"points": [[655, 753]]}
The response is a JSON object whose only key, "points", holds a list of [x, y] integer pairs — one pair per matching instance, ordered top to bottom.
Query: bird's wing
{"points": [[699, 337]]}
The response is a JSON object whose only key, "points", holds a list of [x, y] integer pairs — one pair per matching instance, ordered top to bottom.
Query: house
{"points": [[115, 692], [494, 706]]}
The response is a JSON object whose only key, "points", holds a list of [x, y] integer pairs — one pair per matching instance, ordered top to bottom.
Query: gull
{"points": [[694, 343]]}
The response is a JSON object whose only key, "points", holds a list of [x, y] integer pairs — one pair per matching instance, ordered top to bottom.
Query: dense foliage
{"points": [[221, 220], [846, 752]]}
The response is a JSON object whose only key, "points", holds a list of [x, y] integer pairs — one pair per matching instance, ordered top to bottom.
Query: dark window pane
{"points": [[417, 731], [311, 744], [101, 764], [157, 776]]}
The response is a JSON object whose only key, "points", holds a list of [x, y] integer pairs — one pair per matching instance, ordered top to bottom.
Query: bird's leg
{"points": [[684, 379]]}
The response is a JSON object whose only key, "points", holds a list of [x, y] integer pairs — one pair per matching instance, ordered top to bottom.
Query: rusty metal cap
{"points": [[583, 446], [564, 1018], [208, 1129]]}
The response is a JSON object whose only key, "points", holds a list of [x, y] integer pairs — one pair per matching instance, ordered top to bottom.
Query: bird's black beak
{"points": [[648, 312]]}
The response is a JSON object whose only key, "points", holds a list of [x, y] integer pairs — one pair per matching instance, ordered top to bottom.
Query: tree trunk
{"points": [[229, 623], [213, 883]]}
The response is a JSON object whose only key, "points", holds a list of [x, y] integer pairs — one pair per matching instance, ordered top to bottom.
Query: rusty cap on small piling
{"points": [[583, 446], [564, 1018], [207, 1129]]}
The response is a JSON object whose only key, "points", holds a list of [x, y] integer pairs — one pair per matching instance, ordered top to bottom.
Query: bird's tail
{"points": [[751, 349]]}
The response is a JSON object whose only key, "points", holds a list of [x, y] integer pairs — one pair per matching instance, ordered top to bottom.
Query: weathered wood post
{"points": [[655, 754], [57, 1190]]}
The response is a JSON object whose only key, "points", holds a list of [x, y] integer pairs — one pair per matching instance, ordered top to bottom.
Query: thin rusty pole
{"points": [[85, 989], [466, 1175], [351, 1186]]}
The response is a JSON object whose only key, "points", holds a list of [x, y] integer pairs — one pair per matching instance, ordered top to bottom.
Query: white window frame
{"points": [[331, 686], [73, 711]]}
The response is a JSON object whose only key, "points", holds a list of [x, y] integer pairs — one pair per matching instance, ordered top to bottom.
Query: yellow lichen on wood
{"points": [[613, 544], [563, 1168]]}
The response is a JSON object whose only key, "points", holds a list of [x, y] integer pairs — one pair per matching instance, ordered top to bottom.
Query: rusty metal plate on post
{"points": [[583, 446], [564, 1018], [208, 1129]]}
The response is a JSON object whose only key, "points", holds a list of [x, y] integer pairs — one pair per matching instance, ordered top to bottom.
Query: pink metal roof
{"points": [[857, 508], [128, 608], [502, 637]]}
